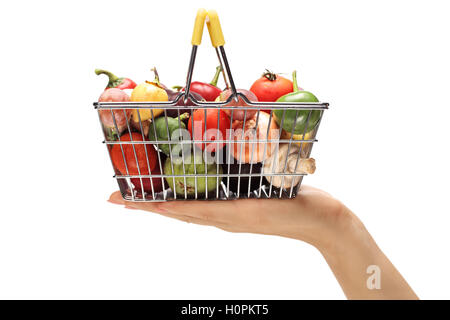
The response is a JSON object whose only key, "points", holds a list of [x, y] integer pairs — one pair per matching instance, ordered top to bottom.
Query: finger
{"points": [[305, 189], [116, 198], [146, 206], [157, 207], [163, 208], [214, 211], [245, 212], [247, 215], [184, 218]]}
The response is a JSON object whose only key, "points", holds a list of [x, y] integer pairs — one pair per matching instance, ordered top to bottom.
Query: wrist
{"points": [[342, 233], [347, 238]]}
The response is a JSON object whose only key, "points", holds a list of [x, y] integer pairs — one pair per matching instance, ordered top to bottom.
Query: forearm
{"points": [[350, 255]]}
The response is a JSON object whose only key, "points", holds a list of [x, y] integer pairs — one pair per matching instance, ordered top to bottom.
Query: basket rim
{"points": [[212, 104]]}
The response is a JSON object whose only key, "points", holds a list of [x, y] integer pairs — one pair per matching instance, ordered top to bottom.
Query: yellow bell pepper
{"points": [[148, 92], [287, 135]]}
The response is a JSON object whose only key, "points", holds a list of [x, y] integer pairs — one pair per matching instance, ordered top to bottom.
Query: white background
{"points": [[383, 145]]}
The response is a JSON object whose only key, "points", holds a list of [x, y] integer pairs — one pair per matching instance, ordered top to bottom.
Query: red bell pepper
{"points": [[115, 81], [208, 91]]}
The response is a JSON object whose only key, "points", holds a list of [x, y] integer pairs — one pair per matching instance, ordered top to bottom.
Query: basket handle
{"points": [[198, 27], [214, 28], [217, 40]]}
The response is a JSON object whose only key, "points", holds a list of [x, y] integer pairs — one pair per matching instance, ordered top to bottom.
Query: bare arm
{"points": [[314, 217], [361, 268]]}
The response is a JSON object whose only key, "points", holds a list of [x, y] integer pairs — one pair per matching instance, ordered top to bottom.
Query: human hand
{"points": [[313, 216]]}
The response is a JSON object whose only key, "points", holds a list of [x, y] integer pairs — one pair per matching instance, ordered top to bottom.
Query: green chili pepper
{"points": [[290, 116], [160, 126]]}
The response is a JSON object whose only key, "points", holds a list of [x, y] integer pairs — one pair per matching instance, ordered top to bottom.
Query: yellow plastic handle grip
{"points": [[198, 27], [214, 28]]}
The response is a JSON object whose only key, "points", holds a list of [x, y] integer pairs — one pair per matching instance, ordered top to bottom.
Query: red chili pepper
{"points": [[115, 81], [208, 91]]}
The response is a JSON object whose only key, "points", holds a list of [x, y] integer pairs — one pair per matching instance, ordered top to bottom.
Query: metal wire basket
{"points": [[252, 160]]}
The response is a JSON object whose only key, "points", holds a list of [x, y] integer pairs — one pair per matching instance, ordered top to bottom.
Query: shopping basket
{"points": [[255, 159]]}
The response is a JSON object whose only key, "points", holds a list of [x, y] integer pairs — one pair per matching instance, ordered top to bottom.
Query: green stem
{"points": [[269, 75], [156, 76], [216, 76], [112, 77], [294, 80], [177, 88]]}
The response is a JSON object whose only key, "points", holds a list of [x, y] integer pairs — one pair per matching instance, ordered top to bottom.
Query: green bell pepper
{"points": [[290, 116], [160, 126]]}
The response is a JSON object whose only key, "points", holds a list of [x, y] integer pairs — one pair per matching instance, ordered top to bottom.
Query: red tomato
{"points": [[270, 87], [212, 117], [117, 157], [157, 182]]}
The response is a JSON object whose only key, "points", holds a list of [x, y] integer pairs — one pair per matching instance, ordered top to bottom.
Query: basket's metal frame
{"points": [[222, 191]]}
